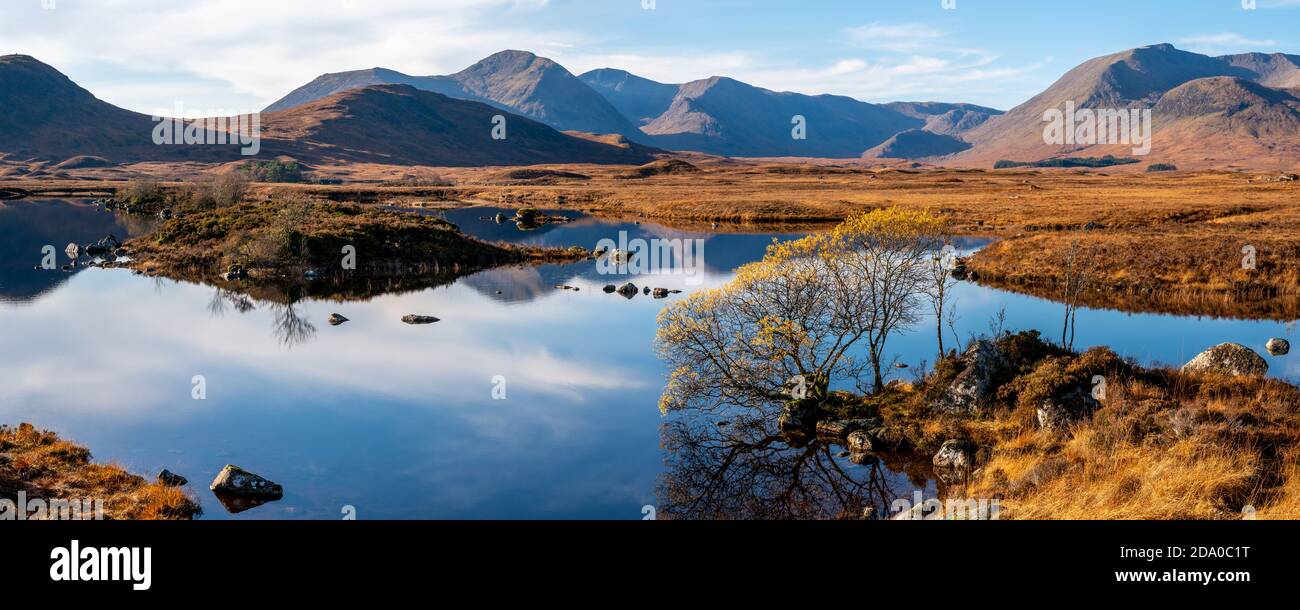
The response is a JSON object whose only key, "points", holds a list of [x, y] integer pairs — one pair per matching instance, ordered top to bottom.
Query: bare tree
{"points": [[1077, 279], [939, 286]]}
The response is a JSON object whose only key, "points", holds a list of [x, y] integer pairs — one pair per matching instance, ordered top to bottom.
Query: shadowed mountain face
{"points": [[517, 81], [639, 99], [48, 117], [727, 117], [944, 118], [1230, 118], [400, 124], [917, 144]]}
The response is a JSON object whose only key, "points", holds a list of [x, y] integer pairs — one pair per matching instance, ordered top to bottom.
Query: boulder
{"points": [[103, 246], [611, 289], [629, 290], [661, 293], [336, 319], [414, 319], [1278, 347], [1228, 359], [974, 384], [1066, 409], [799, 416], [840, 429], [861, 442], [955, 455], [167, 478], [235, 481]]}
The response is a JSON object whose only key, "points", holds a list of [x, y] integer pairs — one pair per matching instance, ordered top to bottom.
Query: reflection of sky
{"points": [[399, 420]]}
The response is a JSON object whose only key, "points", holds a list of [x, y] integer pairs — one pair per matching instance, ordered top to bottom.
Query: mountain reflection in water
{"points": [[400, 421]]}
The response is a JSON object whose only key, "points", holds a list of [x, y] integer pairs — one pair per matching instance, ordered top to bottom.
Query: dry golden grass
{"points": [[1164, 446], [45, 467]]}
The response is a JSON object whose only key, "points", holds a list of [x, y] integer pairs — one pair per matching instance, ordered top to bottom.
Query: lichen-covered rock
{"points": [[1278, 347], [1229, 359], [975, 383], [1066, 409], [839, 429], [861, 442], [955, 455], [235, 481]]}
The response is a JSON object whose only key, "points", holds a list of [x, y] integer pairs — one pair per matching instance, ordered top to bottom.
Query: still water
{"points": [[401, 422]]}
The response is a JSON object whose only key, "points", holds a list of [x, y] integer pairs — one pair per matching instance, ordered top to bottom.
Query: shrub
{"points": [[1162, 167], [272, 171], [221, 191], [141, 192]]}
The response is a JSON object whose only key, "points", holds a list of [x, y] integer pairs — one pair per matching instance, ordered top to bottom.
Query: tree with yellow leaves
{"points": [[797, 315]]}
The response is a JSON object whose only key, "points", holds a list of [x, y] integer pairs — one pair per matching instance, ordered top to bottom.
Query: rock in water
{"points": [[611, 289], [629, 290], [661, 293], [336, 319], [414, 319], [1278, 347], [1228, 359], [839, 429], [861, 442], [955, 455], [167, 478], [235, 481]]}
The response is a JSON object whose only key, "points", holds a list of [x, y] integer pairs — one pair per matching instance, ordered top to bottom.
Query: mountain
{"points": [[1277, 70], [516, 81], [639, 99], [1223, 110], [48, 116], [724, 116], [944, 118], [400, 125], [917, 144]]}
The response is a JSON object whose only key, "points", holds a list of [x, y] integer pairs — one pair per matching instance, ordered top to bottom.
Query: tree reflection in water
{"points": [[291, 328], [747, 470]]}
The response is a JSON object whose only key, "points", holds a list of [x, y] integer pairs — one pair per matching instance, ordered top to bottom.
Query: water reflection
{"points": [[28, 225], [401, 422], [741, 468]]}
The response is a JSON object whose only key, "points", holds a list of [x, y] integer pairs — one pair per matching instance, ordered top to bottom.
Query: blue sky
{"points": [[150, 55]]}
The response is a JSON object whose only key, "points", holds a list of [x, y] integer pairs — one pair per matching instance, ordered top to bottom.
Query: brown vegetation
{"points": [[43, 466]]}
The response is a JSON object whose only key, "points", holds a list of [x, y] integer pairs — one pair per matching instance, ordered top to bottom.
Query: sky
{"points": [[208, 56]]}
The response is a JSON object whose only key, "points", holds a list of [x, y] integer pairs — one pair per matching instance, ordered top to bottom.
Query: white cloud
{"points": [[251, 52]]}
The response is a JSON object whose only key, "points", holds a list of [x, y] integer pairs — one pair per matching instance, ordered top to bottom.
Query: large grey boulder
{"points": [[1229, 359], [980, 363], [1066, 409], [840, 429], [862, 442], [955, 455], [235, 481]]}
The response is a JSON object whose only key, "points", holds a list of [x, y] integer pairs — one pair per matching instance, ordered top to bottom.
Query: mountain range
{"points": [[1236, 110]]}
